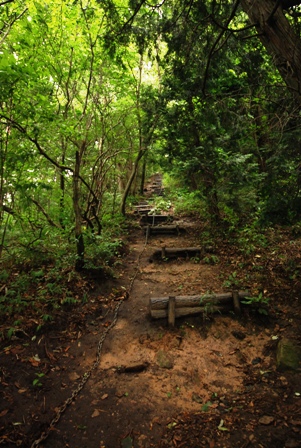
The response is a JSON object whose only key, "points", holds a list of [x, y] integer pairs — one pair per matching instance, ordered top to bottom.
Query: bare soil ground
{"points": [[211, 381]]}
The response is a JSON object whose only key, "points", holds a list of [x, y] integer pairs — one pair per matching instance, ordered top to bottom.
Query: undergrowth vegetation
{"points": [[38, 279]]}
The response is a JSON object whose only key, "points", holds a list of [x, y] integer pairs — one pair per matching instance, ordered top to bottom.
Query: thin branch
{"points": [[7, 1], [270, 18], [131, 19], [11, 24], [245, 28], [212, 51], [21, 129], [8, 210], [50, 221]]}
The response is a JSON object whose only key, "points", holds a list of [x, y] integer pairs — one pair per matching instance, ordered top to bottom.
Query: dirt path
{"points": [[202, 365], [209, 382]]}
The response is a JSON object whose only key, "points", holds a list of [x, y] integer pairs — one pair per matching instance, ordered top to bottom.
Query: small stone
{"points": [[165, 360], [266, 420]]}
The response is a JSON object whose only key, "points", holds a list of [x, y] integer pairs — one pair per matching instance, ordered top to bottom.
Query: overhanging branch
{"points": [[43, 153]]}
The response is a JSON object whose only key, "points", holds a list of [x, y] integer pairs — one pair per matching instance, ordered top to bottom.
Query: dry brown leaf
{"points": [[22, 391]]}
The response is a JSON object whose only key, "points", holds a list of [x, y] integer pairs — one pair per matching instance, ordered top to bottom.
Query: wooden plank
{"points": [[141, 206], [143, 211], [155, 219], [174, 229], [178, 252], [161, 303], [171, 311], [179, 312]]}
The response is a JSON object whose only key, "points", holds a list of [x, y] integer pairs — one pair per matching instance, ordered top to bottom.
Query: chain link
{"points": [[87, 374]]}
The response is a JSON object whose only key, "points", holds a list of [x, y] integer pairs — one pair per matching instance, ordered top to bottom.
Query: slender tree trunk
{"points": [[279, 39], [142, 149], [143, 173], [130, 181], [62, 188], [80, 246]]}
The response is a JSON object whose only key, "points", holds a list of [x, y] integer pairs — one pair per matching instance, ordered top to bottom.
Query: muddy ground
{"points": [[211, 381]]}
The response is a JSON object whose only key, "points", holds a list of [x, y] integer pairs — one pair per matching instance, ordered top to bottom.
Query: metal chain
{"points": [[87, 374]]}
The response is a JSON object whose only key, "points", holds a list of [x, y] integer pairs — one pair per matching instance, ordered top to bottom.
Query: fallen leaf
{"points": [[34, 361], [22, 391], [104, 396], [3, 413], [96, 413], [221, 426]]}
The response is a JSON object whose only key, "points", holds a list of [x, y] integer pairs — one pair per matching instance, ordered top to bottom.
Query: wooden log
{"points": [[142, 204], [142, 208], [143, 211], [155, 219], [174, 229], [176, 252], [161, 303], [236, 303], [171, 311], [179, 312], [139, 367]]}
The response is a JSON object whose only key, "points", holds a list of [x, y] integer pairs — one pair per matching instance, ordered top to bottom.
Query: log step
{"points": [[155, 219], [155, 230], [176, 252], [190, 305]]}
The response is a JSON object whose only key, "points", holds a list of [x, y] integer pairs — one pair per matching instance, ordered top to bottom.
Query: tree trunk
{"points": [[279, 39], [143, 172], [130, 181], [80, 247]]}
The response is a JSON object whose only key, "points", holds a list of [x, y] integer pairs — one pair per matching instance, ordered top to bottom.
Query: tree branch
{"points": [[7, 1], [11, 24], [212, 51], [21, 129], [8, 210], [50, 221]]}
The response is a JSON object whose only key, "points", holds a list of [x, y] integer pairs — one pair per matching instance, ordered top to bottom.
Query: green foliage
{"points": [[188, 203], [160, 205], [251, 238], [211, 259], [232, 281], [69, 301], [257, 303], [37, 381]]}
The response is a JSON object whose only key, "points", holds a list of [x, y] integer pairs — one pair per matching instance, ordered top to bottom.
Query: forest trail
{"points": [[182, 370], [210, 381]]}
